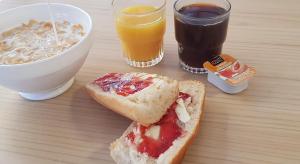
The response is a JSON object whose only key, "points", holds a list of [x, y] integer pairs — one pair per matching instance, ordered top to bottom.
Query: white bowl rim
{"points": [[55, 56]]}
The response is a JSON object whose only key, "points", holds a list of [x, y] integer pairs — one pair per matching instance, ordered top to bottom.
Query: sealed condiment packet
{"points": [[228, 73]]}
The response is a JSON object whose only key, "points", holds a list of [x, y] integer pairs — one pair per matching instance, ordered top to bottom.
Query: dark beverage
{"points": [[200, 31]]}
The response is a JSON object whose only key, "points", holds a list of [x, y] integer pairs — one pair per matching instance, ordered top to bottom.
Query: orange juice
{"points": [[141, 29]]}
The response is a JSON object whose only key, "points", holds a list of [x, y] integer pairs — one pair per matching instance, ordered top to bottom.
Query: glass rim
{"points": [[161, 7], [199, 19]]}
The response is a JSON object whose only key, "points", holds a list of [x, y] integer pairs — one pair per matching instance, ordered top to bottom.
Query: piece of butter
{"points": [[132, 87], [112, 91], [187, 101], [181, 112], [153, 132], [137, 134], [138, 140]]}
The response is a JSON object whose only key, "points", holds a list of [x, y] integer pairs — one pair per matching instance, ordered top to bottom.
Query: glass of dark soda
{"points": [[200, 30]]}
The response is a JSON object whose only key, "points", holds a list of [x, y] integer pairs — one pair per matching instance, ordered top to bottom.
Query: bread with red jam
{"points": [[141, 97], [167, 140]]}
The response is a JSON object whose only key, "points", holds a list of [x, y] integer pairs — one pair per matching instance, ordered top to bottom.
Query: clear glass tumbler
{"points": [[141, 25], [200, 30]]}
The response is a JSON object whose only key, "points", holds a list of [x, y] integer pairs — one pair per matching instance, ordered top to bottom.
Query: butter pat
{"points": [[132, 87], [187, 101], [181, 111], [153, 132], [137, 133]]}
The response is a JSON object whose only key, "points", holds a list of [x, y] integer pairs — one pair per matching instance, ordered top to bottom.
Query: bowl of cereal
{"points": [[42, 47]]}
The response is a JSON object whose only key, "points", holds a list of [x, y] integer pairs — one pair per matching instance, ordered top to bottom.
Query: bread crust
{"points": [[145, 108], [173, 156], [177, 159]]}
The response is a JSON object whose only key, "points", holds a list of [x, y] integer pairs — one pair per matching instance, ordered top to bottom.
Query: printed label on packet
{"points": [[229, 69]]}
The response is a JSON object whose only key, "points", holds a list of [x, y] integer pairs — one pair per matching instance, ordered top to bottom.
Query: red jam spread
{"points": [[122, 84], [169, 131]]}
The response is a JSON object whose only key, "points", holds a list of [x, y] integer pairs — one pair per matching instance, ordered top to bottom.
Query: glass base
{"points": [[146, 64], [192, 69]]}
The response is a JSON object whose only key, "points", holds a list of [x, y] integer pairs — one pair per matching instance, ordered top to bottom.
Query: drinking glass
{"points": [[141, 25], [200, 30]]}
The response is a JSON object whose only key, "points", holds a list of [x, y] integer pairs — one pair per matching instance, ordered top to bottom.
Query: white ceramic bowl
{"points": [[48, 78]]}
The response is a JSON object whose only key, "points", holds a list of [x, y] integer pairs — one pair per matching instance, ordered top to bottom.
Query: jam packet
{"points": [[228, 73]]}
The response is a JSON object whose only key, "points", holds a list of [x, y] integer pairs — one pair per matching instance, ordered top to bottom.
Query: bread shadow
{"points": [[92, 118], [94, 125]]}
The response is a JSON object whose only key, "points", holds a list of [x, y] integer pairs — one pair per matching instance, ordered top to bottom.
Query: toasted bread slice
{"points": [[141, 97], [125, 151]]}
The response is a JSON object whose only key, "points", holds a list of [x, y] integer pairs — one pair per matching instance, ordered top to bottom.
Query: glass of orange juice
{"points": [[141, 26]]}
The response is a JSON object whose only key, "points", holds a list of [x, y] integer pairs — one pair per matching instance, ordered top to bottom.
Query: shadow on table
{"points": [[94, 124]]}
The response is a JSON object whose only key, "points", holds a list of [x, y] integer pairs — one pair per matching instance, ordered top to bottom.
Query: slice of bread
{"points": [[145, 106], [123, 151]]}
